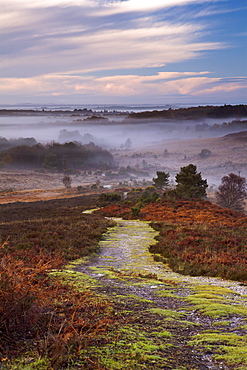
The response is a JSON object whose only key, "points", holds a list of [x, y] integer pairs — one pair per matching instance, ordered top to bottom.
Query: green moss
{"points": [[78, 262], [106, 270], [77, 279], [142, 282], [213, 289], [167, 293], [205, 295], [139, 299], [215, 301], [217, 309], [167, 313], [184, 323], [221, 323], [244, 327], [162, 334], [231, 348], [133, 349], [233, 355], [30, 364]]}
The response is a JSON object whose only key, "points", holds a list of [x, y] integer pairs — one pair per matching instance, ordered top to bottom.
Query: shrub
{"points": [[205, 153], [110, 197], [136, 209]]}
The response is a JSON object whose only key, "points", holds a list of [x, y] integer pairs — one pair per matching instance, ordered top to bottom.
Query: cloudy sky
{"points": [[129, 51]]}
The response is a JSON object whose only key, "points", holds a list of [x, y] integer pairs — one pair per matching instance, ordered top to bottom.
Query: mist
{"points": [[112, 132], [140, 147]]}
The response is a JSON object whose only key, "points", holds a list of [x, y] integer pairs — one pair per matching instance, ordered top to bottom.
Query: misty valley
{"points": [[125, 146]]}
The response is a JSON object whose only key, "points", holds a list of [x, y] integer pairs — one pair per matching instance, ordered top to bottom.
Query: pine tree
{"points": [[161, 180], [190, 183]]}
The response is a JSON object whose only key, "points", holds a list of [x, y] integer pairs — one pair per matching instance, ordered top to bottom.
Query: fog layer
{"points": [[114, 131]]}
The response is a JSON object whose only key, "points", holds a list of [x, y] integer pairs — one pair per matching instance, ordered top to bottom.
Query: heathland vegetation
{"points": [[41, 316], [54, 321]]}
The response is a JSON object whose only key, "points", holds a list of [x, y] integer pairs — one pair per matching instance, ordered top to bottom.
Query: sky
{"points": [[123, 52]]}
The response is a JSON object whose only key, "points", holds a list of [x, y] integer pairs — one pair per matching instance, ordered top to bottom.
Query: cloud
{"points": [[144, 6], [66, 42], [58, 47], [164, 83]]}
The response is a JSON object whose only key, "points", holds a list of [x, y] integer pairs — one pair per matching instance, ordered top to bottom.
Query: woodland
{"points": [[56, 156]]}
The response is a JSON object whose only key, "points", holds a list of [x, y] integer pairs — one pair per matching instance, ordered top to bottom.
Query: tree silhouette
{"points": [[161, 180], [67, 181], [190, 183], [232, 192]]}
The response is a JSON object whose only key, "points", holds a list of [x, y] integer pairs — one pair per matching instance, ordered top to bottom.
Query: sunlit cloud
{"points": [[143, 6], [39, 39], [77, 50], [164, 83]]}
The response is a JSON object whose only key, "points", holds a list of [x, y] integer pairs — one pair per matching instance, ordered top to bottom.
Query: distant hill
{"points": [[224, 111], [242, 136]]}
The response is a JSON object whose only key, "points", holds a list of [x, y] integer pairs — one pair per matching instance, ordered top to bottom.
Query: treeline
{"points": [[194, 112], [6, 144], [57, 157]]}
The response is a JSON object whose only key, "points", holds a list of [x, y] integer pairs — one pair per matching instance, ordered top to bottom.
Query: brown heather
{"points": [[37, 312]]}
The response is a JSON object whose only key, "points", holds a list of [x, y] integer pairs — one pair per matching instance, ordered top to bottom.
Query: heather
{"points": [[40, 313]]}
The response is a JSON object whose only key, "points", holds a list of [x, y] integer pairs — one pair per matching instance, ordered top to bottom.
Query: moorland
{"points": [[49, 322]]}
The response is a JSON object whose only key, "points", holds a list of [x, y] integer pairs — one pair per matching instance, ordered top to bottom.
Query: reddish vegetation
{"points": [[186, 212], [197, 238], [34, 308], [36, 311]]}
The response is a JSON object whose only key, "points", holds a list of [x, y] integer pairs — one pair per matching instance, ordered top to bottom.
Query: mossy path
{"points": [[163, 320]]}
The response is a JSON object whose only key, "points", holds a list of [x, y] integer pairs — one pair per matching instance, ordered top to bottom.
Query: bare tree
{"points": [[232, 192]]}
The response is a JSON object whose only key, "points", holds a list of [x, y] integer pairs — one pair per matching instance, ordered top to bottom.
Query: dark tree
{"points": [[205, 153], [50, 161], [161, 180], [67, 181], [190, 183], [232, 192]]}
